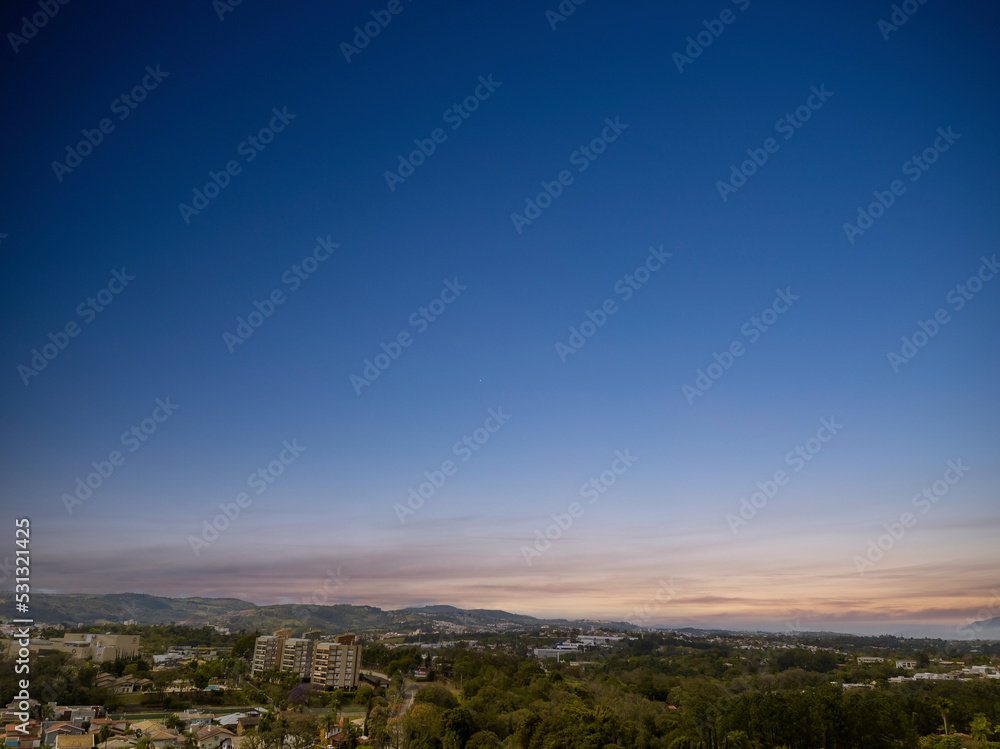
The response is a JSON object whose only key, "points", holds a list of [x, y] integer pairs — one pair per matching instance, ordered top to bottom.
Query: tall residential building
{"points": [[268, 649], [297, 654], [337, 664]]}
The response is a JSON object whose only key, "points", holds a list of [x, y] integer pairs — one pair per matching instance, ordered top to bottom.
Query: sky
{"points": [[677, 313]]}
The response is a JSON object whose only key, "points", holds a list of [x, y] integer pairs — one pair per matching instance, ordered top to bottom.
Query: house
{"points": [[167, 659], [870, 659], [906, 664], [128, 684], [12, 712], [76, 713], [193, 720], [240, 722], [119, 725], [147, 727], [52, 729], [113, 733], [215, 737], [336, 737], [30, 739], [160, 739], [67, 741], [121, 742]]}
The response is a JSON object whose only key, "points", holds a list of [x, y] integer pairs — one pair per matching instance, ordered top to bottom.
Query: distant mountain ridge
{"points": [[116, 608]]}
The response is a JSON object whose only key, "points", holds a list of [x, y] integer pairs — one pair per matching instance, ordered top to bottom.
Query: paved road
{"points": [[409, 692]]}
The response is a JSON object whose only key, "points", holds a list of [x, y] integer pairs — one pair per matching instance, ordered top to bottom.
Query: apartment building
{"points": [[268, 650], [297, 654], [337, 664]]}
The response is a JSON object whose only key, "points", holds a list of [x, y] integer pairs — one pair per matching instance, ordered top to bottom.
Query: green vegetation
{"points": [[656, 691]]}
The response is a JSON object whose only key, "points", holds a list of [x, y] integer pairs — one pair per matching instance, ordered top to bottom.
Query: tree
{"points": [[244, 647], [944, 705], [172, 721], [329, 722], [378, 725], [459, 725], [981, 728], [303, 733], [104, 734], [484, 740]]}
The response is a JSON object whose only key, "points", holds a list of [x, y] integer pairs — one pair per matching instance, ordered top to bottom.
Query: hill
{"points": [[91, 609]]}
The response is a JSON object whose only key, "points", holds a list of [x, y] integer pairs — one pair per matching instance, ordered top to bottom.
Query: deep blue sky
{"points": [[494, 347]]}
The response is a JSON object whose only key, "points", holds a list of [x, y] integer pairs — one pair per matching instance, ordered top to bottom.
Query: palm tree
{"points": [[944, 705], [172, 721], [329, 722], [104, 734]]}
